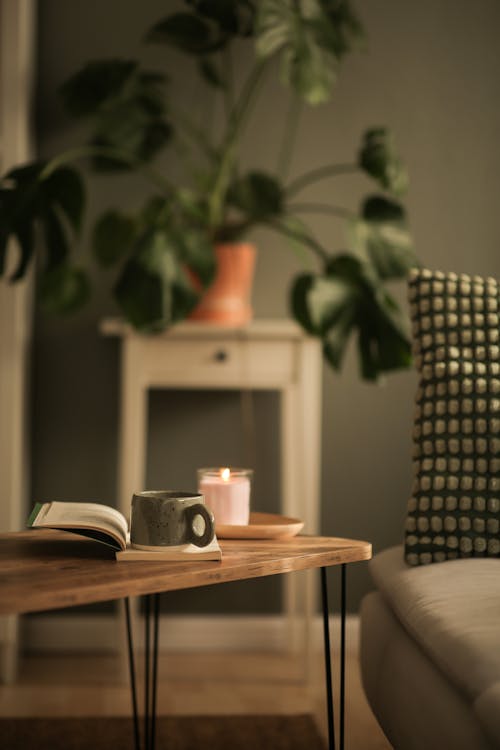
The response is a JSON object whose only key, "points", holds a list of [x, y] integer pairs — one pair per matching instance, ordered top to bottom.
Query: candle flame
{"points": [[225, 474]]}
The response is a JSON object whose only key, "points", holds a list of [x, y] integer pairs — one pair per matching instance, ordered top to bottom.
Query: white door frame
{"points": [[17, 19]]}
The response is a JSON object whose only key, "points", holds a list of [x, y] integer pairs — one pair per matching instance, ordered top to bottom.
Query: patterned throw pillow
{"points": [[455, 508]]}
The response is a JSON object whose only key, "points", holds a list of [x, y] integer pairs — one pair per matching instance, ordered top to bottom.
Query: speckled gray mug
{"points": [[164, 518]]}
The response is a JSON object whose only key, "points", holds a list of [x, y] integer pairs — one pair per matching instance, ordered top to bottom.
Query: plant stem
{"points": [[227, 63], [237, 119], [195, 133], [289, 136], [83, 152], [320, 173], [323, 208], [307, 240]]}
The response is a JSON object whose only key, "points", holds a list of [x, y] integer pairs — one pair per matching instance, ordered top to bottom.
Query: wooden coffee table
{"points": [[41, 570]]}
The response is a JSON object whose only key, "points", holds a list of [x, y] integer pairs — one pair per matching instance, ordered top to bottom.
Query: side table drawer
{"points": [[272, 360], [192, 362], [217, 362]]}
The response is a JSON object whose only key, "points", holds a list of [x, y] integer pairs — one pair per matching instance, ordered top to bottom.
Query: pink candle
{"points": [[227, 494]]}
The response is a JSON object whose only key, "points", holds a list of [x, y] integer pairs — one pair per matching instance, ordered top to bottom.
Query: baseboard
{"points": [[84, 633]]}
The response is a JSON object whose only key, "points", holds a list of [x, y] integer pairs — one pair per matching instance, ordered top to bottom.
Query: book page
{"points": [[90, 515]]}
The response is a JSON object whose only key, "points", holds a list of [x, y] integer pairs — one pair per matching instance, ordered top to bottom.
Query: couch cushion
{"points": [[454, 510], [452, 611], [403, 685], [487, 709]]}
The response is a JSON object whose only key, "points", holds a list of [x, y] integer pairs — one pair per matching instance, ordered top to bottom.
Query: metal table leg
{"points": [[327, 653], [342, 653], [147, 661], [131, 663], [151, 667], [155, 670], [150, 673]]}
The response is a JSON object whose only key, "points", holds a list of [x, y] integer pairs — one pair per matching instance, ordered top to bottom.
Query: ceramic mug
{"points": [[165, 518]]}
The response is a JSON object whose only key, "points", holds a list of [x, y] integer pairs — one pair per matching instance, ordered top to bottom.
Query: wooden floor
{"points": [[202, 683]]}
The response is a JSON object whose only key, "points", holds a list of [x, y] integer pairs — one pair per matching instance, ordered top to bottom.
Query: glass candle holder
{"points": [[227, 494]]}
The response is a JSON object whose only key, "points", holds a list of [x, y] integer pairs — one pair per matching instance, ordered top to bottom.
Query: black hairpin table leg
{"points": [[343, 570], [156, 602], [327, 653], [147, 662], [328, 662], [131, 664], [150, 673]]}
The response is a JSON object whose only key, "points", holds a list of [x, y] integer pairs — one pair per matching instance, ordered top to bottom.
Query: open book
{"points": [[109, 526]]}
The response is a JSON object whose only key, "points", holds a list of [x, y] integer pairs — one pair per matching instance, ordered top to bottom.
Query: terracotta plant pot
{"points": [[228, 300]]}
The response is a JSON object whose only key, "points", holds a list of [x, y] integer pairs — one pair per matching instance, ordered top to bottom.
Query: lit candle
{"points": [[227, 494]]}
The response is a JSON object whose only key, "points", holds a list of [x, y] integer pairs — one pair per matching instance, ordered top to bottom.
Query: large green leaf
{"points": [[235, 17], [274, 26], [286, 27], [344, 30], [188, 33], [311, 38], [309, 68], [98, 82], [150, 92], [128, 109], [131, 132], [378, 158], [24, 175], [64, 188], [258, 195], [33, 197], [61, 202], [192, 206], [20, 207], [155, 213], [182, 219], [5, 220], [7, 226], [24, 233], [381, 235], [112, 238], [56, 242], [195, 250], [63, 289], [153, 290], [347, 298], [326, 306], [383, 343]]}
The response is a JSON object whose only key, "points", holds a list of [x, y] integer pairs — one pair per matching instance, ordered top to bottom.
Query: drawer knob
{"points": [[221, 355]]}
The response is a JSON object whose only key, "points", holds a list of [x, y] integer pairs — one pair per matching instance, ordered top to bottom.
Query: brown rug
{"points": [[173, 733]]}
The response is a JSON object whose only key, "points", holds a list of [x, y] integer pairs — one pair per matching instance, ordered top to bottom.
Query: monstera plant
{"points": [[131, 119]]}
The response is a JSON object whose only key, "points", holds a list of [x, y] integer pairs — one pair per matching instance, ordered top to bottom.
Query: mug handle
{"points": [[200, 510]]}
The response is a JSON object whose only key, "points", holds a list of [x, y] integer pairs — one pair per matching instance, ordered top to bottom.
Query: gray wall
{"points": [[430, 72]]}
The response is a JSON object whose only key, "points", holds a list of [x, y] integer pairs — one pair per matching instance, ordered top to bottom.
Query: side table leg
{"points": [[156, 601], [342, 653], [147, 661], [131, 662], [328, 663], [328, 668], [150, 670]]}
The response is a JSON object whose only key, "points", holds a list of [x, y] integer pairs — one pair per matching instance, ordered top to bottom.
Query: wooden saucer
{"points": [[261, 526]]}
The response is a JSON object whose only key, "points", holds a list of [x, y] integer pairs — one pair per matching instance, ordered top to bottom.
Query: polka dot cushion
{"points": [[454, 510]]}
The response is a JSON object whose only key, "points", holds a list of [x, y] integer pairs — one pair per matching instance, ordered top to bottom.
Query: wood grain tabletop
{"points": [[42, 569]]}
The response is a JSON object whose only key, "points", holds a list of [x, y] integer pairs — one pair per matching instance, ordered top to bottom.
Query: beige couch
{"points": [[430, 652]]}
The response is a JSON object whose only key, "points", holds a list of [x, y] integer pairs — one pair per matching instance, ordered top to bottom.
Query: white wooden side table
{"points": [[266, 355]]}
